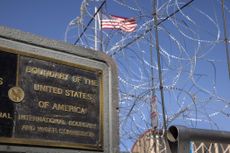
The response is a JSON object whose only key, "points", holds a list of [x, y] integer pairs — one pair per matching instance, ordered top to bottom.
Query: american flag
{"points": [[120, 23]]}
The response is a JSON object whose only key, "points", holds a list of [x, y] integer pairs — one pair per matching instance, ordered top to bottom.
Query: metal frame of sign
{"points": [[65, 56], [52, 143]]}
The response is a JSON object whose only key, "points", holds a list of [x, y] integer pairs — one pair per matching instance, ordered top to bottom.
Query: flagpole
{"points": [[89, 23], [95, 30], [101, 34]]}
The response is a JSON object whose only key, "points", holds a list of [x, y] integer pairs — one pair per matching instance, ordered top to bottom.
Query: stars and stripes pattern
{"points": [[119, 23]]}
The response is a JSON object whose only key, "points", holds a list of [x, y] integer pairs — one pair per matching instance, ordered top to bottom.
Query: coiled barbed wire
{"points": [[192, 71]]}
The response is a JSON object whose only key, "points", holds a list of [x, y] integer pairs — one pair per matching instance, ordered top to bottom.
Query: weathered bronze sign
{"points": [[46, 102]]}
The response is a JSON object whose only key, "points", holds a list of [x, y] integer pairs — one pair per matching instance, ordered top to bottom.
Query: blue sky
{"points": [[44, 18], [187, 38]]}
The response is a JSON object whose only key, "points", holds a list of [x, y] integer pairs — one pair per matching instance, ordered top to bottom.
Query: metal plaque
{"points": [[51, 103]]}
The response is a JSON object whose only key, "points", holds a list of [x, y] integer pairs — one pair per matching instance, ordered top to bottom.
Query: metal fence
{"points": [[183, 140], [150, 142], [157, 145], [202, 147]]}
